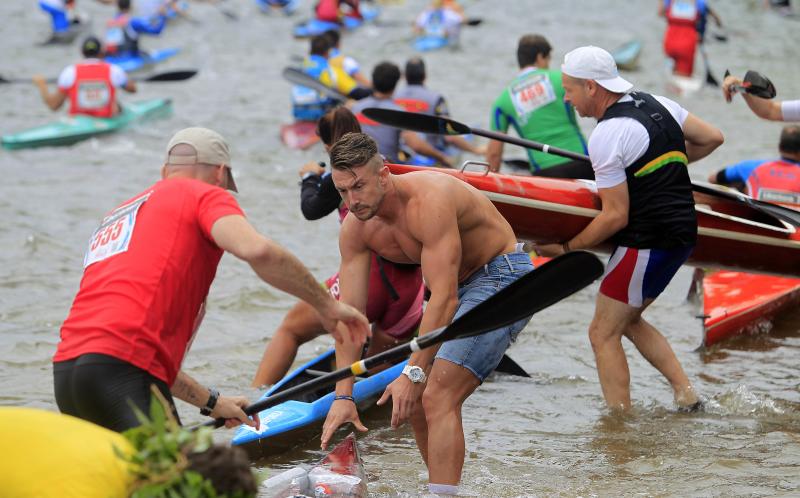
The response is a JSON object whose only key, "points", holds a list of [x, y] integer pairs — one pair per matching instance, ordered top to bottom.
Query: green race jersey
{"points": [[533, 103]]}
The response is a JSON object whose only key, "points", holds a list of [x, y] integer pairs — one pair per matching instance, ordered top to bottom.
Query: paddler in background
{"points": [[332, 11], [59, 14], [440, 21], [122, 32], [681, 36], [347, 64], [384, 81], [90, 85], [416, 97], [533, 104], [772, 110], [639, 151], [770, 180], [467, 252], [147, 271], [396, 292]]}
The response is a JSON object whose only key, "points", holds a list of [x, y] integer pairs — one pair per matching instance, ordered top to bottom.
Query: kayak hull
{"points": [[314, 27], [429, 43], [627, 55], [138, 62], [73, 129], [300, 134], [731, 234], [736, 303], [288, 423]]}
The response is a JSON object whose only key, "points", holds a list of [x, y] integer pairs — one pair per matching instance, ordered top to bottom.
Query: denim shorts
{"points": [[481, 354]]}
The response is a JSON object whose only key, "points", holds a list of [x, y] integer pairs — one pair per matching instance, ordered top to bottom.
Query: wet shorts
{"points": [[634, 275], [396, 294], [482, 353]]}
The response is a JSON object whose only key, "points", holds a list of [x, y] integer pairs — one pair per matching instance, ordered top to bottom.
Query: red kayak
{"points": [[300, 134], [733, 232], [736, 303]]}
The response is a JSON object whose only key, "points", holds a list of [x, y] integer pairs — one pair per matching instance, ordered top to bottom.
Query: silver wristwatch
{"points": [[414, 373]]}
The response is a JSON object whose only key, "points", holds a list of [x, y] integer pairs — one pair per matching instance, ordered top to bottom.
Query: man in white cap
{"points": [[639, 152], [147, 272]]}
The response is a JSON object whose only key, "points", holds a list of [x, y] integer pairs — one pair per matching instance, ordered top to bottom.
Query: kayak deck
{"points": [[144, 60], [73, 129]]}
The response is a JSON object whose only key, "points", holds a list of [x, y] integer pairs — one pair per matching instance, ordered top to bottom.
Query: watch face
{"points": [[415, 374]]}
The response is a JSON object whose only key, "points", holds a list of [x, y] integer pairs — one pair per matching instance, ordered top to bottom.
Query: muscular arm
{"points": [[53, 100], [763, 108], [701, 137], [421, 146], [612, 218], [440, 260], [353, 288]]}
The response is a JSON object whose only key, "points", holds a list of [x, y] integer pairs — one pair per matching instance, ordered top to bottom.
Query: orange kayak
{"points": [[732, 233]]}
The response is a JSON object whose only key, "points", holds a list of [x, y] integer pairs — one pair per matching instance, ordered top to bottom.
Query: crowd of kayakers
{"points": [[152, 259]]}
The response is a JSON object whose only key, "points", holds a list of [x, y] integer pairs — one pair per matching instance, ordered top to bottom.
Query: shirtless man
{"points": [[467, 251]]}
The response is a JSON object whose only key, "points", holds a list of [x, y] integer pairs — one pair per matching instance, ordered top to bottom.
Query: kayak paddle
{"points": [[177, 75], [298, 77], [756, 84], [438, 125], [547, 285]]}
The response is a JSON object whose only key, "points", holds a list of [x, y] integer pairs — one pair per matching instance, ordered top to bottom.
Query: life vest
{"points": [[328, 10], [683, 13], [120, 38], [93, 92], [417, 98], [307, 103], [775, 181], [661, 213]]}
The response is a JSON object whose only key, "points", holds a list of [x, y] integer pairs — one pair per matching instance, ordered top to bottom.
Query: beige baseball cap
{"points": [[209, 146]]}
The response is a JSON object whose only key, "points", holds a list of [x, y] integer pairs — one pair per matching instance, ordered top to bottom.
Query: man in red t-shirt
{"points": [[147, 272]]}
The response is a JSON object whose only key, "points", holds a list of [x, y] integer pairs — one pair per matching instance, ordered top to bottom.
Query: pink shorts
{"points": [[397, 311]]}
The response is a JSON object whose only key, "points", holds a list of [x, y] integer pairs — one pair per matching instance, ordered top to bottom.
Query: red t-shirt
{"points": [[147, 272]]}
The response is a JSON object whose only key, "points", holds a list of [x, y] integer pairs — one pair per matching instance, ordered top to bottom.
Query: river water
{"points": [[544, 436]]}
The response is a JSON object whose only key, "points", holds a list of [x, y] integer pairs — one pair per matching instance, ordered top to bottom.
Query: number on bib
{"points": [[533, 92], [93, 94], [114, 234]]}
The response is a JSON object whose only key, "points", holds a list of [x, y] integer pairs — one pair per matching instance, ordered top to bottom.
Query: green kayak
{"points": [[72, 129]]}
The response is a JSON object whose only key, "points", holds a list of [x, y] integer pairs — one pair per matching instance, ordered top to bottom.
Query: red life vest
{"points": [[328, 10], [683, 13], [93, 92], [414, 105], [775, 181]]}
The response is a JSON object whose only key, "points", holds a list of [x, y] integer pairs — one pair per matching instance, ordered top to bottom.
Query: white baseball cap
{"points": [[594, 63], [209, 147]]}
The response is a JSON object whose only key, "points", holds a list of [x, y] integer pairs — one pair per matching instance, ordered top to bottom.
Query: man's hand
{"points": [[39, 81], [728, 87], [311, 167], [549, 250], [342, 318], [405, 396], [230, 408], [341, 412]]}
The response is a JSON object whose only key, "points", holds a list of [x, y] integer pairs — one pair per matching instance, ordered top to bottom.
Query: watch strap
{"points": [[213, 397]]}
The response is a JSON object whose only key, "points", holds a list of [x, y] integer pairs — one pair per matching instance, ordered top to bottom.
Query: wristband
{"points": [[565, 247], [213, 396], [344, 396]]}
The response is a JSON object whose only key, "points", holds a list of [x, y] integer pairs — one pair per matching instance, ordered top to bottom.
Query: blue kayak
{"points": [[287, 6], [316, 27], [427, 43], [627, 55], [134, 63], [281, 425]]}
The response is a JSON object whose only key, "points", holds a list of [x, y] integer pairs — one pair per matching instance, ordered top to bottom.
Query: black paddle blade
{"points": [[475, 21], [172, 75], [759, 85], [423, 123], [544, 286]]}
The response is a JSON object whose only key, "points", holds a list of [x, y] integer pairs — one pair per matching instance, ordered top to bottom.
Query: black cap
{"points": [[91, 47]]}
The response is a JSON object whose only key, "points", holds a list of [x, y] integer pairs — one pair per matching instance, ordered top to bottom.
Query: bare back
{"points": [[423, 201]]}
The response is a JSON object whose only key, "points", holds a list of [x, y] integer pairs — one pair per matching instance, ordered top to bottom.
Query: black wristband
{"points": [[213, 396], [344, 396]]}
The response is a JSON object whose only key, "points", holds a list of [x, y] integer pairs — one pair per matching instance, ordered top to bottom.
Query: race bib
{"points": [[683, 9], [114, 36], [533, 92], [93, 94], [778, 196], [114, 234]]}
